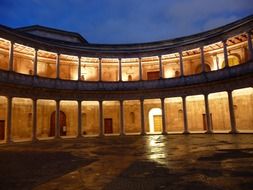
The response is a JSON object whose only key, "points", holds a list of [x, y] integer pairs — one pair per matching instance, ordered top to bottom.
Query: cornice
{"points": [[132, 50]]}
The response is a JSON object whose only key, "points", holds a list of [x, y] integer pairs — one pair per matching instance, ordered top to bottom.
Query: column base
{"points": [[186, 132], [209, 132], [233, 132], [143, 133], [164, 133], [80, 136], [34, 140]]}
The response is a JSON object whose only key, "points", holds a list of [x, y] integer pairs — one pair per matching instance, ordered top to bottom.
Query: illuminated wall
{"points": [[4, 54], [23, 61], [192, 62], [150, 65], [171, 65], [46, 66], [68, 67], [89, 69], [130, 69], [110, 70], [243, 108], [219, 111], [174, 114], [132, 116], [196, 116], [22, 117], [111, 117], [3, 118], [46, 118], [68, 118], [90, 118]]}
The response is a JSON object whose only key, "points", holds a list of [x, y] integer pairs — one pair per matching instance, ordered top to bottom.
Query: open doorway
{"points": [[155, 120]]}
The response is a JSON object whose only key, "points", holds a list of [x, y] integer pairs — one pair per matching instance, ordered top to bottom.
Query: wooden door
{"points": [[154, 75], [157, 123], [62, 124], [108, 126], [2, 129]]}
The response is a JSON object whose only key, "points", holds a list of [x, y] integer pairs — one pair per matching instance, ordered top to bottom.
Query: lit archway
{"points": [[233, 60], [152, 115]]}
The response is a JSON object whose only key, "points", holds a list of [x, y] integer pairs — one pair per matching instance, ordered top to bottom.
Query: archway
{"points": [[233, 60], [199, 68], [155, 120], [62, 124]]}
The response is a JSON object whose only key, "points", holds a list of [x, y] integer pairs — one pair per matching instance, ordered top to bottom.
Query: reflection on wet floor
{"points": [[130, 162]]}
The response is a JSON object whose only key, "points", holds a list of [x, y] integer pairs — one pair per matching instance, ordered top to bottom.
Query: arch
{"points": [[233, 60], [199, 68], [130, 78], [151, 115], [62, 124]]}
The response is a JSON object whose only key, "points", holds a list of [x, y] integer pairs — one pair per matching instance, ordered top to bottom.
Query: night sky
{"points": [[125, 21]]}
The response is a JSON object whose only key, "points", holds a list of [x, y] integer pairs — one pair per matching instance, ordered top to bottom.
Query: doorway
{"points": [[154, 75], [155, 120], [157, 123], [62, 124], [108, 126], [2, 129]]}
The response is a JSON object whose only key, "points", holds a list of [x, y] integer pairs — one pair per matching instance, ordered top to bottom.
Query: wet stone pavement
{"points": [[173, 162]]}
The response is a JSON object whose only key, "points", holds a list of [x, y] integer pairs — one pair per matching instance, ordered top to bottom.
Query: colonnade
{"points": [[225, 51], [233, 128]]}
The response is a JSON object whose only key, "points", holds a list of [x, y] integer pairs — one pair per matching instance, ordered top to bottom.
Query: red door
{"points": [[154, 75], [108, 125], [2, 131], [63, 131]]}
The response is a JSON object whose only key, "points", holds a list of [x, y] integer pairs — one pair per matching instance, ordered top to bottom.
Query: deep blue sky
{"points": [[125, 21]]}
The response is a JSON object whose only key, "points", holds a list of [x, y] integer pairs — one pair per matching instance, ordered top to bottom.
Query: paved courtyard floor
{"points": [[192, 162]]}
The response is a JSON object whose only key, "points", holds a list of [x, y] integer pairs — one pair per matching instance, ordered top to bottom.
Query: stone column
{"points": [[250, 46], [225, 52], [202, 54], [11, 56], [35, 62], [181, 63], [58, 66], [160, 66], [79, 68], [100, 69], [140, 69], [120, 70], [232, 113], [142, 118], [208, 119], [57, 120], [101, 122], [9, 124], [122, 128], [34, 131], [164, 131], [186, 131], [79, 133]]}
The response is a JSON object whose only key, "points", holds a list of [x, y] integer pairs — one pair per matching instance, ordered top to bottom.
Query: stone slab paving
{"points": [[173, 162]]}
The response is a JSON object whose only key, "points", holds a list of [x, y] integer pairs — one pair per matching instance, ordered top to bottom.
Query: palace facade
{"points": [[55, 84]]}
